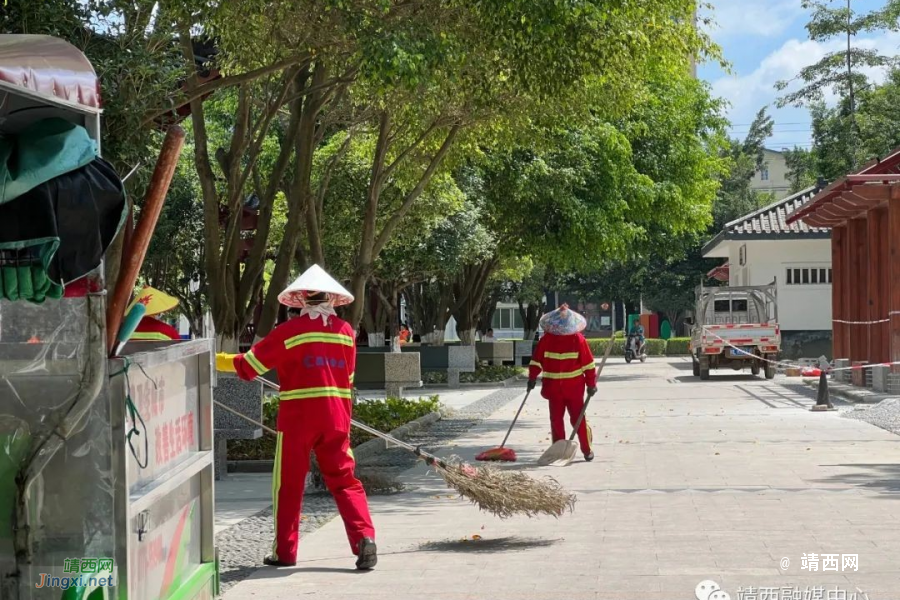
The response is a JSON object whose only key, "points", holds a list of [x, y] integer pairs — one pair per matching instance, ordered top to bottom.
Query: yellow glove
{"points": [[225, 362]]}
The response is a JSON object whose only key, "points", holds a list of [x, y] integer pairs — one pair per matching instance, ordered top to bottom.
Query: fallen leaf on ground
{"points": [[476, 537]]}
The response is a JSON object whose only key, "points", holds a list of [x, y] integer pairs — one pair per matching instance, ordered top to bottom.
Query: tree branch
{"points": [[414, 194]]}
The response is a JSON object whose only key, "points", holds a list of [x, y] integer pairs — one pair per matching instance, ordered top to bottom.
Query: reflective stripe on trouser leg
{"points": [[293, 465], [337, 465], [276, 487]]}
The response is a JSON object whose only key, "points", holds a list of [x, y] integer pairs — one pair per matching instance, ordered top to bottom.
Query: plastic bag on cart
{"points": [[58, 231], [44, 351]]}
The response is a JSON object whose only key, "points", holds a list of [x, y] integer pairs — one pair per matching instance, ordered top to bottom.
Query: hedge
{"points": [[678, 346], [598, 347], [655, 347]]}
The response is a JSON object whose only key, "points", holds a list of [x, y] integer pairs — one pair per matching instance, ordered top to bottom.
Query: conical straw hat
{"points": [[314, 279], [156, 301], [563, 321]]}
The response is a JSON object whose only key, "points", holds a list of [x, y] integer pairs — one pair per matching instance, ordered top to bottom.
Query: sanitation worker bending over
{"points": [[315, 357], [568, 365]]}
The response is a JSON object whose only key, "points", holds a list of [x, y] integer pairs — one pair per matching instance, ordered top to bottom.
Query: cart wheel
{"points": [[696, 367], [704, 368], [754, 368], [770, 371]]}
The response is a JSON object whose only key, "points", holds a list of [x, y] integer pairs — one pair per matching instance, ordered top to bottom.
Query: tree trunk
{"points": [[469, 290], [429, 307]]}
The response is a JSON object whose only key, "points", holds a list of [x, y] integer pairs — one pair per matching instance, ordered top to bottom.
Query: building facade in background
{"points": [[772, 178], [762, 247]]}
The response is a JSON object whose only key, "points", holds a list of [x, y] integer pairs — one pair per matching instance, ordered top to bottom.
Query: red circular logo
{"points": [[605, 306]]}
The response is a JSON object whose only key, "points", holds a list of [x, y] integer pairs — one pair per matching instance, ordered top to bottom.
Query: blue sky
{"points": [[766, 41]]}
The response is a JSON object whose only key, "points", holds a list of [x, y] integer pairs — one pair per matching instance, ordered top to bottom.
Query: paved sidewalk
{"points": [[693, 480]]}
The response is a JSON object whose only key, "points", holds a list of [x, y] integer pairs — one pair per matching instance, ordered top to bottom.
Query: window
{"points": [[764, 174], [742, 255], [808, 276], [739, 305], [721, 306]]}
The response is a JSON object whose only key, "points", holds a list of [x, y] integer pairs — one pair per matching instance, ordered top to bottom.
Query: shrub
{"points": [[655, 347], [678, 347], [491, 374], [389, 414], [383, 415]]}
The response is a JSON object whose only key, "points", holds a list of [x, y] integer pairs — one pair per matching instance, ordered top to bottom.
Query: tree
{"points": [[840, 72], [746, 158], [801, 165]]}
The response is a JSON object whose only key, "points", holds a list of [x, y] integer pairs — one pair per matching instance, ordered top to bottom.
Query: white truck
{"points": [[735, 327]]}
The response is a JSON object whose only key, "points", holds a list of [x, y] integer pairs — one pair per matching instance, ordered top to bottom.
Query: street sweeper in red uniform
{"points": [[314, 355], [568, 366]]}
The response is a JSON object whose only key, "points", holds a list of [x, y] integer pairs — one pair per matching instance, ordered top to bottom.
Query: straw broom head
{"points": [[505, 493]]}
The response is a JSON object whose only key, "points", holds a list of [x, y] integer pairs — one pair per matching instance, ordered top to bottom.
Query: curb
{"points": [[487, 385], [850, 393], [364, 450]]}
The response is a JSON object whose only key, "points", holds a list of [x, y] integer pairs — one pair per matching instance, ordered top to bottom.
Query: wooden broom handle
{"points": [[136, 249]]}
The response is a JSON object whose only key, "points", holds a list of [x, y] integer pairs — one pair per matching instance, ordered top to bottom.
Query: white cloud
{"points": [[766, 18], [750, 92]]}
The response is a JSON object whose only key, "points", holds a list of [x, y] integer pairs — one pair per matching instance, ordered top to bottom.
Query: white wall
{"points": [[800, 307]]}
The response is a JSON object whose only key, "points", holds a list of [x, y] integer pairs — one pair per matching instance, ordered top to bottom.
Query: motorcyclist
{"points": [[637, 330]]}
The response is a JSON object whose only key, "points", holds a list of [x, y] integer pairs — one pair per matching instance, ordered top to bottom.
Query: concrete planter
{"points": [[522, 351], [495, 353], [390, 371], [244, 397]]}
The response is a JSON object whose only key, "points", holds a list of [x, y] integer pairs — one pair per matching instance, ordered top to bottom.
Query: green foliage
{"points": [[838, 72], [746, 157], [801, 167], [655, 347], [678, 347], [482, 374], [384, 415]]}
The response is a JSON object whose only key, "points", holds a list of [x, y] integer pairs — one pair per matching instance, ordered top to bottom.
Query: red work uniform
{"points": [[150, 329], [315, 364], [568, 366]]}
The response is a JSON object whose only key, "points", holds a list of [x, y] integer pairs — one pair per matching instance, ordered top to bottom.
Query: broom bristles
{"points": [[505, 493]]}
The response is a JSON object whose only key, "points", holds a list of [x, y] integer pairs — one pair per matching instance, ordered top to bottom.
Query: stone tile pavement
{"points": [[732, 480]]}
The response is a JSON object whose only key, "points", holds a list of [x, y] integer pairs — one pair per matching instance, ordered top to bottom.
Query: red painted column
{"points": [[894, 273], [847, 282], [877, 305], [838, 312], [859, 347]]}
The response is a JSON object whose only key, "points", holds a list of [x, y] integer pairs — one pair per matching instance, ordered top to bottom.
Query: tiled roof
{"points": [[771, 219], [770, 222]]}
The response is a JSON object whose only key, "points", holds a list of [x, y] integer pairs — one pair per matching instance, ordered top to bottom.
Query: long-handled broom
{"points": [[501, 452], [502, 493]]}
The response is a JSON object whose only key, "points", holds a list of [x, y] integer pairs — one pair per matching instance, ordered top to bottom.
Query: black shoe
{"points": [[589, 457], [368, 555], [274, 562]]}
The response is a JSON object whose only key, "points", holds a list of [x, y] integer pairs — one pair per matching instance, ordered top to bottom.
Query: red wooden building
{"points": [[863, 212]]}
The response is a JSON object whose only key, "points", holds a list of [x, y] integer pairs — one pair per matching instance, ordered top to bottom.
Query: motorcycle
{"points": [[634, 349]]}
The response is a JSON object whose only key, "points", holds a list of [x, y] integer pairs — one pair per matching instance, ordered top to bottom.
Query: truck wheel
{"points": [[696, 367], [754, 367], [704, 368], [770, 371]]}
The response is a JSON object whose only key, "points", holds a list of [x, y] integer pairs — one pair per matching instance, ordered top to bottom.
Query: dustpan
{"points": [[562, 453]]}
